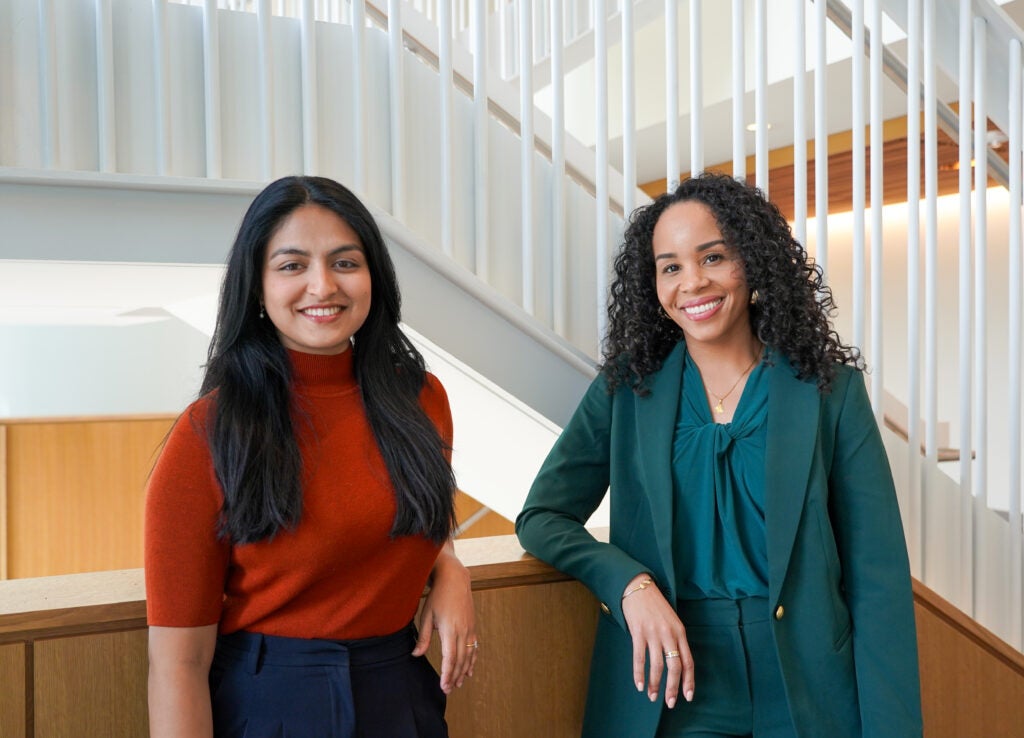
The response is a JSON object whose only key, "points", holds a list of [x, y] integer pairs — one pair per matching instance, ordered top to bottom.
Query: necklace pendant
{"points": [[719, 408]]}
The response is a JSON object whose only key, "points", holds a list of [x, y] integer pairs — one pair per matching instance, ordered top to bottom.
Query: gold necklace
{"points": [[719, 408]]}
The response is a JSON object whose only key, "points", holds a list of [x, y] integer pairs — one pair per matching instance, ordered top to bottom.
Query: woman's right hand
{"points": [[658, 634]]}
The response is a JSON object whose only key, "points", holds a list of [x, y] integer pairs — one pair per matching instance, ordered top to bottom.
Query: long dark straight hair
{"points": [[251, 437]]}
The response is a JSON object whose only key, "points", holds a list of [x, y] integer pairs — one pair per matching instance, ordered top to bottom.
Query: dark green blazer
{"points": [[839, 579]]}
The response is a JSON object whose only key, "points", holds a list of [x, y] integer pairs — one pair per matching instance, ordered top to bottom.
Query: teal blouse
{"points": [[718, 474]]}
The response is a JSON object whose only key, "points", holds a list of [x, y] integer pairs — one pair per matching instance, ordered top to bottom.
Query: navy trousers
{"points": [[273, 687], [739, 690]]}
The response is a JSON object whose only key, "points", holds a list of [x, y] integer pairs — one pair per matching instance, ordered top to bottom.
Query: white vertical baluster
{"points": [[540, 33], [503, 39], [444, 68], [396, 76], [266, 77], [161, 89], [211, 89], [739, 90], [696, 91], [358, 94], [761, 96], [310, 108], [628, 109], [106, 114], [800, 121], [481, 126], [821, 135], [48, 143], [526, 143], [857, 154], [672, 168], [601, 178], [931, 182], [558, 244], [980, 260], [931, 278], [877, 354], [966, 364], [916, 513], [1016, 567]]}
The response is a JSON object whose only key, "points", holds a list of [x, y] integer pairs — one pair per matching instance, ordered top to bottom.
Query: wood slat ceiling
{"points": [[840, 172]]}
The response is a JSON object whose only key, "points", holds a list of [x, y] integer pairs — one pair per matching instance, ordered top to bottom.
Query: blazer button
{"points": [[605, 609], [779, 612]]}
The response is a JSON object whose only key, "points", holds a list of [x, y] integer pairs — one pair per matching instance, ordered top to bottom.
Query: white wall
{"points": [[62, 370]]}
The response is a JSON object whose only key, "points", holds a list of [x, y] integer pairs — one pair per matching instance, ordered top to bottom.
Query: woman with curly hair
{"points": [[756, 573]]}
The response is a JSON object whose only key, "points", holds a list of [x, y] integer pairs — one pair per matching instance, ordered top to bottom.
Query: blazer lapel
{"points": [[793, 409], [655, 426]]}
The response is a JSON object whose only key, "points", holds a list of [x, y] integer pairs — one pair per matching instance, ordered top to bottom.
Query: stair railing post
{"points": [[481, 137], [526, 150], [672, 168], [965, 279]]}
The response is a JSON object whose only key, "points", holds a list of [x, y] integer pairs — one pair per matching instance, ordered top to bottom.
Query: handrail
{"points": [[99, 601]]}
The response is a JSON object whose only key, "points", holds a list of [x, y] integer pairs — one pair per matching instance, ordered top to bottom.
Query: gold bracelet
{"points": [[644, 584]]}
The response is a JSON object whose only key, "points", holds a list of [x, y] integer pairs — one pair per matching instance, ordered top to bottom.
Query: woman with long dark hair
{"points": [[300, 506], [756, 580]]}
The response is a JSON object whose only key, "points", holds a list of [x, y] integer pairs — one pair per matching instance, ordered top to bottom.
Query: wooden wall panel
{"points": [[75, 494], [3, 502], [491, 524], [535, 627], [531, 672], [92, 686], [967, 689], [12, 691]]}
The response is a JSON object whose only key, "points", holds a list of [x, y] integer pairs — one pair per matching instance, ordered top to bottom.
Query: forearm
{"points": [[568, 546], [449, 570], [179, 674], [179, 702]]}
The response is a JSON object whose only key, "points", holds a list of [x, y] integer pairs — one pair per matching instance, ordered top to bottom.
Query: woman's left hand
{"points": [[448, 609]]}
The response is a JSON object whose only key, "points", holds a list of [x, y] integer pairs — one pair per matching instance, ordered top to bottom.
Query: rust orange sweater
{"points": [[338, 574]]}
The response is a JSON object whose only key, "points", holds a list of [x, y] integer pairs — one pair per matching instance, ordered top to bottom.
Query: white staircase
{"points": [[138, 131]]}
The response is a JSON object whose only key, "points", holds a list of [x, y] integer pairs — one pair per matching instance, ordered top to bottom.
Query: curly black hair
{"points": [[794, 306]]}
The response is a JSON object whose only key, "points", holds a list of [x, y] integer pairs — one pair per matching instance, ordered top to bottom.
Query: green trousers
{"points": [[738, 689]]}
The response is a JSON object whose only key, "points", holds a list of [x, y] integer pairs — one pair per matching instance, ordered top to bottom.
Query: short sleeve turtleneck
{"points": [[338, 573]]}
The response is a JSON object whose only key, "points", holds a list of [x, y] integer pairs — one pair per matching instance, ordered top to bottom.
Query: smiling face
{"points": [[699, 279], [316, 281]]}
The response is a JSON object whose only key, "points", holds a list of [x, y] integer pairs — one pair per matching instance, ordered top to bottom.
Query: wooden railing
{"points": [[73, 656]]}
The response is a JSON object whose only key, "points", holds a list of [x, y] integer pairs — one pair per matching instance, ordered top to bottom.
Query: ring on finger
{"points": [[474, 644], [671, 654]]}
